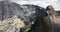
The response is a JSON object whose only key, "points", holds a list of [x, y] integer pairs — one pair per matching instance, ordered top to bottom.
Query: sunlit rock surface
{"points": [[26, 13], [8, 21], [12, 24]]}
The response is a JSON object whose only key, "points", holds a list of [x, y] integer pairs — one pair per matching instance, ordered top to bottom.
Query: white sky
{"points": [[42, 3]]}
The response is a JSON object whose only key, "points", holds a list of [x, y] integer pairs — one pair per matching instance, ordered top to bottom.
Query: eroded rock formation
{"points": [[30, 14], [53, 19]]}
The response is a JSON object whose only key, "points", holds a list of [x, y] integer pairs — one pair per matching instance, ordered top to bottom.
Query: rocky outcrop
{"points": [[30, 14], [53, 19], [12, 24]]}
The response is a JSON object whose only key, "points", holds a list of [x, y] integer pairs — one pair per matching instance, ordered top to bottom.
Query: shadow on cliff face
{"points": [[8, 10], [25, 12], [31, 14], [53, 19]]}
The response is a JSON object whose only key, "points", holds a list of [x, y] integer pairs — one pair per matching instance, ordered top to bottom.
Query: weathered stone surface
{"points": [[27, 13], [53, 19], [11, 25]]}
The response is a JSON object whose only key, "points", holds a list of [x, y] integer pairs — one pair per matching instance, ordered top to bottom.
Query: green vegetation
{"points": [[25, 29]]}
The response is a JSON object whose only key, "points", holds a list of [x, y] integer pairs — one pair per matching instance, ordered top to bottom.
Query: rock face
{"points": [[7, 10], [29, 14], [53, 19], [9, 20], [12, 24], [38, 25]]}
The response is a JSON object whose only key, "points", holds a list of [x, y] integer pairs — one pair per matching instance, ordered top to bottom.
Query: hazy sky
{"points": [[42, 3]]}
